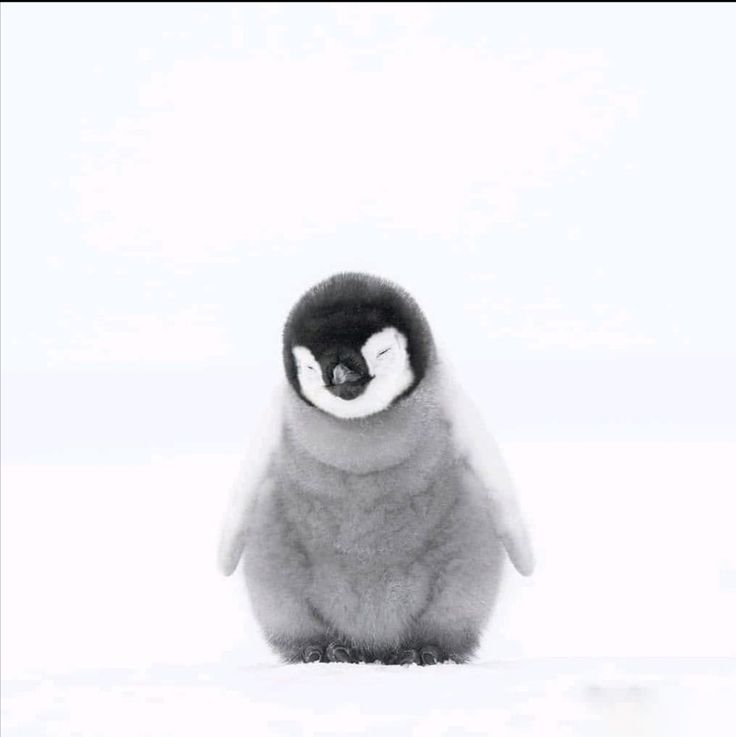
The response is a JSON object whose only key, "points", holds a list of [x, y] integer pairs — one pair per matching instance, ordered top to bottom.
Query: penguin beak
{"points": [[341, 374], [347, 383]]}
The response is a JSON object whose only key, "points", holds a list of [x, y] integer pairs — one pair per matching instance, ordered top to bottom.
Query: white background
{"points": [[554, 184]]}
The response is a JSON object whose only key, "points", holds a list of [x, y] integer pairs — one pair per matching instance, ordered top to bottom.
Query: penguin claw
{"points": [[338, 653], [312, 654], [425, 655], [430, 655], [407, 656]]}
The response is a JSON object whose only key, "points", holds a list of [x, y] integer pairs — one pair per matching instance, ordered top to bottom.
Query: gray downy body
{"points": [[374, 532]]}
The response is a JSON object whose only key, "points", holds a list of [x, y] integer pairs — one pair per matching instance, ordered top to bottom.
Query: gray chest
{"points": [[387, 514]]}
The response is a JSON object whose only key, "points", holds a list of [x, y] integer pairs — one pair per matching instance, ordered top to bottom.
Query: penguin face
{"points": [[354, 345], [350, 384]]}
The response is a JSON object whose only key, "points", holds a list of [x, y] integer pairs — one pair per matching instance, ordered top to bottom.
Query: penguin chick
{"points": [[373, 514]]}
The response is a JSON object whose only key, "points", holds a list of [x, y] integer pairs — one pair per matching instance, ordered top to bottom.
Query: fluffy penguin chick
{"points": [[373, 514]]}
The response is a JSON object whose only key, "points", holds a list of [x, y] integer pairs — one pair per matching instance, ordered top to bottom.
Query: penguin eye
{"points": [[380, 353]]}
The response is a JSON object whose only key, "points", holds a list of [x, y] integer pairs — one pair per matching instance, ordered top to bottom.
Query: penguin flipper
{"points": [[483, 457], [252, 481], [234, 532]]}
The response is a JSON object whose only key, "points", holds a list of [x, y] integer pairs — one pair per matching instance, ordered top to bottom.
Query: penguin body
{"points": [[367, 528]]}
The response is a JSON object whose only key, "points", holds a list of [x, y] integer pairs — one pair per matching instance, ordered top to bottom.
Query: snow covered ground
{"points": [[115, 620], [586, 697]]}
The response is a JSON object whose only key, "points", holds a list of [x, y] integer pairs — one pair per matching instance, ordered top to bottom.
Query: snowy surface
{"points": [[594, 698]]}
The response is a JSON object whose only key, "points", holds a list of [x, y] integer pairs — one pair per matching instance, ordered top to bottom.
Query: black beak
{"points": [[343, 374], [346, 382]]}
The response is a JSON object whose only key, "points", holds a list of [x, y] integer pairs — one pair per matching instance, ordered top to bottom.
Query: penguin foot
{"points": [[338, 653], [312, 654], [425, 655], [430, 655], [407, 656]]}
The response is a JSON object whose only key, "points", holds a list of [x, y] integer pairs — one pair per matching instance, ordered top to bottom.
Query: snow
{"points": [[528, 698]]}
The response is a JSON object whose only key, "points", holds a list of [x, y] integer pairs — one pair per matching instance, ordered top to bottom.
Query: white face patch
{"points": [[388, 364]]}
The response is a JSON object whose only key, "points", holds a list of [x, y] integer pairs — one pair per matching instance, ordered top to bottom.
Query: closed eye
{"points": [[385, 350]]}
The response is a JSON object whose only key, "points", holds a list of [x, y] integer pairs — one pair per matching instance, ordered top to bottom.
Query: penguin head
{"points": [[355, 344]]}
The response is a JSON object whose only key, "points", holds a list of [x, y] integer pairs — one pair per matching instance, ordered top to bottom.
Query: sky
{"points": [[554, 185]]}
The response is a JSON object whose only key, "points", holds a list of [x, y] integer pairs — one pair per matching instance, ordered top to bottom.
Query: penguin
{"points": [[375, 512]]}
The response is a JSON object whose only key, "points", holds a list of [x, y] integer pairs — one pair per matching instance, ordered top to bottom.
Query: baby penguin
{"points": [[373, 515]]}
